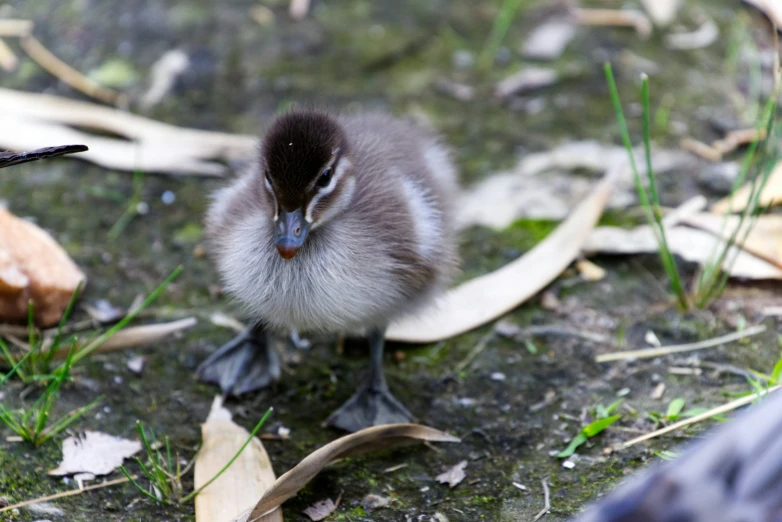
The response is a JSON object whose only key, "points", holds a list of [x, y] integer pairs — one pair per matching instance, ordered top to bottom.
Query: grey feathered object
{"points": [[733, 475]]}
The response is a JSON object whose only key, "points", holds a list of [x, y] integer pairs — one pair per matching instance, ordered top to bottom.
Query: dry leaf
{"points": [[772, 9], [662, 12], [615, 18], [703, 36], [150, 145], [770, 195], [764, 239], [694, 245], [33, 266], [487, 297], [133, 336], [369, 439], [94, 452], [453, 476], [236, 490], [372, 502], [322, 509]]}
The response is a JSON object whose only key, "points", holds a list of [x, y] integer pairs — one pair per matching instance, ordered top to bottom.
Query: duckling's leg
{"points": [[246, 363], [373, 403]]}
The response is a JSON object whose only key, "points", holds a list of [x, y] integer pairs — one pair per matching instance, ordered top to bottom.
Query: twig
{"points": [[65, 72], [678, 348], [697, 418], [67, 493], [546, 502]]}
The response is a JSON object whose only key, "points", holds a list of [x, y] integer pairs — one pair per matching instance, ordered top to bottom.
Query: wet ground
{"points": [[519, 400]]}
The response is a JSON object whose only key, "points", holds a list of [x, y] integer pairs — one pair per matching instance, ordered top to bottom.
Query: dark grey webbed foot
{"points": [[247, 363], [373, 403], [369, 407]]}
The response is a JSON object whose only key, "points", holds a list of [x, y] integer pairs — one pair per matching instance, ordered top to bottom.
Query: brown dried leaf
{"points": [[150, 145], [770, 195], [487, 297], [377, 437], [94, 452], [454, 475], [236, 490]]}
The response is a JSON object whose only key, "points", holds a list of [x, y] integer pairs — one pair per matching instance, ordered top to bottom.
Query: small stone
{"points": [[463, 59], [719, 177], [142, 208], [136, 364], [497, 376], [466, 402], [568, 464], [4, 502], [45, 508], [438, 517]]}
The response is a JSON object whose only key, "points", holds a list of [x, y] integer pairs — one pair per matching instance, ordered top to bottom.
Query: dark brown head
{"points": [[306, 168]]}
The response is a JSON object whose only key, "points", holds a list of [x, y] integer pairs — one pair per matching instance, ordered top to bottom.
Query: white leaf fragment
{"points": [[94, 452], [453, 476]]}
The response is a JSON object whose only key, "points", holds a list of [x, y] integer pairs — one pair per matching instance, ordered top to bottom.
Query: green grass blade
{"points": [[502, 23], [63, 320], [95, 344], [137, 486]]}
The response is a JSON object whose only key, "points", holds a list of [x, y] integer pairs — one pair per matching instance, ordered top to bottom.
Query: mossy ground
{"points": [[385, 54]]}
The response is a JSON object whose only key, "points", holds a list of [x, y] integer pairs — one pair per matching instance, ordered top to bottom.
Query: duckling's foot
{"points": [[246, 363], [369, 407]]}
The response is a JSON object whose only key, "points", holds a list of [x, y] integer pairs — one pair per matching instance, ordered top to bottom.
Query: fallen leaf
{"points": [[772, 9], [662, 12], [528, 79], [148, 145], [770, 195], [763, 239], [696, 246], [33, 267], [487, 297], [133, 336], [369, 439], [94, 452], [453, 476], [240, 486], [372, 502], [322, 509]]}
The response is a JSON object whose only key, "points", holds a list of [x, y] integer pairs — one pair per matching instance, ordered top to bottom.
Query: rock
{"points": [[719, 177], [33, 267]]}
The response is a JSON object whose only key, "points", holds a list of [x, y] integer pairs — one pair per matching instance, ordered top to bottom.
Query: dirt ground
{"points": [[518, 401]]}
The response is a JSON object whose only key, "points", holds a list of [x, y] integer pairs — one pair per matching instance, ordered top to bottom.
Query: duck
{"points": [[343, 224]]}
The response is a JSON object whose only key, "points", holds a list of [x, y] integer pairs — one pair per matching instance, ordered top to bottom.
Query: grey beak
{"points": [[290, 232]]}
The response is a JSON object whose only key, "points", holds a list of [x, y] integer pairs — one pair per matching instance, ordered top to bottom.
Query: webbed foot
{"points": [[247, 363], [369, 407]]}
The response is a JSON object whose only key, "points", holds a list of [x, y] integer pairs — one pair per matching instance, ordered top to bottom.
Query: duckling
{"points": [[344, 224]]}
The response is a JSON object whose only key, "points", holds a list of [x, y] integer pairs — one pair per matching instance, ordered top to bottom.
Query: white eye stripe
{"points": [[339, 173]]}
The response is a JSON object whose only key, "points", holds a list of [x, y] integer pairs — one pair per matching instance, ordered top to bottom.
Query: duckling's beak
{"points": [[290, 232]]}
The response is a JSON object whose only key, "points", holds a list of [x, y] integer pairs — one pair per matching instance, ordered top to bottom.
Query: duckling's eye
{"points": [[324, 179]]}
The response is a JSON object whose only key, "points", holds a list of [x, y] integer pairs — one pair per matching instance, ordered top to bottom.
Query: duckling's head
{"points": [[307, 175]]}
